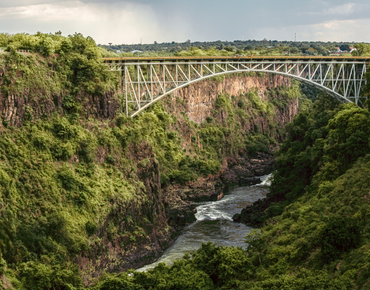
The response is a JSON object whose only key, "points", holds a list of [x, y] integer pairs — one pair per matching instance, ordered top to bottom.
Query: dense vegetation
{"points": [[47, 44], [247, 47], [63, 171], [320, 240]]}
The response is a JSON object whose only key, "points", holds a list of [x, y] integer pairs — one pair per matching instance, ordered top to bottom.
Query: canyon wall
{"points": [[199, 98], [195, 102]]}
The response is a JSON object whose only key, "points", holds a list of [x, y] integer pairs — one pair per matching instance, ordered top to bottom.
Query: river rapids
{"points": [[214, 223]]}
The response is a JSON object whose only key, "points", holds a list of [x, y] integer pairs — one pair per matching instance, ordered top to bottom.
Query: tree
{"points": [[248, 47], [345, 47], [362, 49], [294, 50]]}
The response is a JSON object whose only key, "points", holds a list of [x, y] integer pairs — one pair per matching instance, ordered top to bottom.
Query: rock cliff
{"points": [[198, 99]]}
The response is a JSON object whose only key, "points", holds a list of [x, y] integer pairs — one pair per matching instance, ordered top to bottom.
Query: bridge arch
{"points": [[146, 82], [170, 91]]}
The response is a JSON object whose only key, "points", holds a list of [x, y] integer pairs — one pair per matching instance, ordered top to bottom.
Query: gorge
{"points": [[88, 194]]}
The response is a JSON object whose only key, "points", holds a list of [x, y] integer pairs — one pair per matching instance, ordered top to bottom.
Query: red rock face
{"points": [[199, 98]]}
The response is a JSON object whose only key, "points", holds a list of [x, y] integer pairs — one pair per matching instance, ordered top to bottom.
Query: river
{"points": [[214, 223]]}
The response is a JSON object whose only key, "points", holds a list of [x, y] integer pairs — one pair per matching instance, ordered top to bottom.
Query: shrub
{"points": [[242, 104], [209, 119], [63, 129], [63, 151], [86, 152], [110, 160], [206, 167], [181, 176], [164, 179], [91, 228], [43, 235], [338, 236], [226, 266], [37, 276], [304, 280], [121, 281]]}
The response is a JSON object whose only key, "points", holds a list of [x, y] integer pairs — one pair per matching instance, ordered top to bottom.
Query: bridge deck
{"points": [[234, 58]]}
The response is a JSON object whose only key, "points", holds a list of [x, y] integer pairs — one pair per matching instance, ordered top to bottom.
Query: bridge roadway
{"points": [[235, 58], [145, 80]]}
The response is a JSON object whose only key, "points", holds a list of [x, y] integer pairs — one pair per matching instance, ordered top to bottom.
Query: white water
{"points": [[214, 223]]}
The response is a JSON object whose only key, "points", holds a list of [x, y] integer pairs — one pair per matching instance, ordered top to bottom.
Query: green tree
{"points": [[345, 47], [361, 49]]}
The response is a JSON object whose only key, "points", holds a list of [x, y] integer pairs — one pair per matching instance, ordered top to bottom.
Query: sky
{"points": [[146, 21]]}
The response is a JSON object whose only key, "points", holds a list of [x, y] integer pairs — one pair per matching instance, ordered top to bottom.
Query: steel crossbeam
{"points": [[144, 83]]}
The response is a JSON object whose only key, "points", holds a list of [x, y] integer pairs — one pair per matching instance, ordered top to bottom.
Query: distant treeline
{"points": [[294, 47]]}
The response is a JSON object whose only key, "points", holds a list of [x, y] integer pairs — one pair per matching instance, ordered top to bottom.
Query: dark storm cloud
{"points": [[234, 19]]}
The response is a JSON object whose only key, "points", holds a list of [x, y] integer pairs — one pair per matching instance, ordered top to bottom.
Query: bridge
{"points": [[145, 80]]}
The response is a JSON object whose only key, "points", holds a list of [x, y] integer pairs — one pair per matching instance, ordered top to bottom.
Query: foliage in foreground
{"points": [[320, 240], [218, 267]]}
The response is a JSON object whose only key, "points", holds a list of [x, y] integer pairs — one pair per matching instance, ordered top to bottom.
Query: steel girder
{"points": [[147, 82]]}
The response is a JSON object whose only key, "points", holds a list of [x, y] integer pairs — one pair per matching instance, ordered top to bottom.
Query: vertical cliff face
{"points": [[33, 87], [198, 99], [197, 103], [15, 108]]}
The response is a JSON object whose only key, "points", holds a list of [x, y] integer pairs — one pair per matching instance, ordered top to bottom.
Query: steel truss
{"points": [[144, 83]]}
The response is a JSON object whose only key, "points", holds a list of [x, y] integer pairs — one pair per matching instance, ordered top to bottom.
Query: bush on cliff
{"points": [[340, 234]]}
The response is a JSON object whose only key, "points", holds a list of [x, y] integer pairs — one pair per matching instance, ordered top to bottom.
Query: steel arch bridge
{"points": [[146, 80]]}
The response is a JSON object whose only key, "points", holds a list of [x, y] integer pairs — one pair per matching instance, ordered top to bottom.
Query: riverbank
{"points": [[235, 172], [181, 200], [214, 223]]}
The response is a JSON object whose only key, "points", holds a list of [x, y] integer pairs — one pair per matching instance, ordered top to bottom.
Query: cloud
{"points": [[345, 9], [128, 21]]}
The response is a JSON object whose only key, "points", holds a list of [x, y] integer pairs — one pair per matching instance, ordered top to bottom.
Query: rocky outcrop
{"points": [[240, 171], [254, 214], [181, 215]]}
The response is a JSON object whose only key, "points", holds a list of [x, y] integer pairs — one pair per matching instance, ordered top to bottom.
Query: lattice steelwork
{"points": [[144, 83]]}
